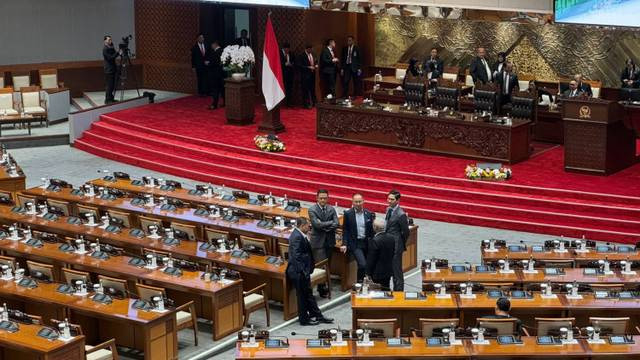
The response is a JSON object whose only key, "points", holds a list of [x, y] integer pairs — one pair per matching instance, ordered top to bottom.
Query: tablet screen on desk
{"points": [[516, 248], [537, 248], [602, 248], [625, 249], [458, 268], [484, 268], [552, 271], [590, 271], [494, 293], [519, 294], [601, 294], [626, 295], [507, 340], [546, 340], [434, 341], [317, 343]]}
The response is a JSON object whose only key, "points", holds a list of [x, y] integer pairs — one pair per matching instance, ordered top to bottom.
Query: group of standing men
{"points": [[329, 65], [376, 246]]}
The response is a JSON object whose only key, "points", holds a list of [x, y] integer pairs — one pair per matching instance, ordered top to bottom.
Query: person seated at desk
{"points": [[412, 71], [630, 76], [583, 86], [532, 88], [573, 90], [502, 309]]}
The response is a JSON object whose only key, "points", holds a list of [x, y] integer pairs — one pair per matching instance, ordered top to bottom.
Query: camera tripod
{"points": [[123, 70]]}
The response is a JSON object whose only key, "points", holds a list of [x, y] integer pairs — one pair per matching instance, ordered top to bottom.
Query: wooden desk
{"points": [[549, 126], [431, 134], [12, 183], [579, 258], [459, 277], [215, 301], [581, 309], [406, 311], [152, 332], [26, 344], [528, 350], [608, 351]]}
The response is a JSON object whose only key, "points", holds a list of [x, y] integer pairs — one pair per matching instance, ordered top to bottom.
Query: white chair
{"points": [[400, 73], [450, 76], [49, 79], [21, 80], [469, 80], [1, 81], [523, 84], [596, 92], [6, 102], [31, 103]]}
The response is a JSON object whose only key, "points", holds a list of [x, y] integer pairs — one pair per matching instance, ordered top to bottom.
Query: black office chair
{"points": [[447, 94], [485, 98]]}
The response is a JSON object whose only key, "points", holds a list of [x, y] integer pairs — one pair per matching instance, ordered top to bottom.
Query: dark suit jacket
{"points": [[245, 42], [109, 54], [214, 57], [197, 59], [356, 59], [302, 62], [327, 66], [439, 66], [287, 70], [477, 71], [630, 75], [511, 84], [585, 88], [567, 93], [323, 226], [398, 226], [350, 228], [380, 256], [301, 262]]}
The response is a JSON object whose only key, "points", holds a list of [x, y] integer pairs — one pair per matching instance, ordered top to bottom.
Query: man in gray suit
{"points": [[324, 222], [397, 226]]}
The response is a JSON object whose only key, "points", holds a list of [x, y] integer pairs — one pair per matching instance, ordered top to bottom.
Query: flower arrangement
{"points": [[237, 58], [269, 143], [473, 172]]}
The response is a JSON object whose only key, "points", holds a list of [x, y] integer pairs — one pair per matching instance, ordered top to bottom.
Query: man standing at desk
{"points": [[324, 222], [397, 226], [357, 231], [380, 257], [299, 269]]}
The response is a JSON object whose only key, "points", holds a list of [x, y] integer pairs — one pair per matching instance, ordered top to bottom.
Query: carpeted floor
{"points": [[183, 138]]}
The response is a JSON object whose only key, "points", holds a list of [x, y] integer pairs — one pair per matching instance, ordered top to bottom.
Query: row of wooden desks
{"points": [[12, 183], [570, 254], [521, 277], [220, 302], [409, 311], [150, 331], [26, 344], [529, 349]]}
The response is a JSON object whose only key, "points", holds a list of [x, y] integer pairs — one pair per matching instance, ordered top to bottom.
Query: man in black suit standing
{"points": [[243, 40], [109, 54], [287, 62], [199, 64], [433, 64], [308, 65], [351, 66], [329, 67], [480, 70], [216, 73], [507, 83], [583, 86], [324, 222], [397, 226], [357, 231], [380, 257], [299, 268]]}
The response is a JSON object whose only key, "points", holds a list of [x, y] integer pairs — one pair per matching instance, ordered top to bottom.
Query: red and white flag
{"points": [[272, 84]]}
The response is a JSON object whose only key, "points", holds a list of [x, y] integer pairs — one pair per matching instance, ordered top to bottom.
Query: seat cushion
{"points": [[49, 81], [6, 101], [33, 109], [8, 112], [318, 274], [252, 300], [182, 317], [102, 354]]}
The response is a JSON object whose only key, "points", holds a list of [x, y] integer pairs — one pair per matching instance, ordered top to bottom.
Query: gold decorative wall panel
{"points": [[551, 51]]}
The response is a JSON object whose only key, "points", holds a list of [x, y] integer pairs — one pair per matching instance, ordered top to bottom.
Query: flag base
{"points": [[271, 123]]}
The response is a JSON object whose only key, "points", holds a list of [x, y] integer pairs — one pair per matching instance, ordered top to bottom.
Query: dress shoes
{"points": [[325, 320], [309, 322]]}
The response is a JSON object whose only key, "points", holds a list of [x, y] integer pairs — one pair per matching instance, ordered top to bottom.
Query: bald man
{"points": [[583, 86]]}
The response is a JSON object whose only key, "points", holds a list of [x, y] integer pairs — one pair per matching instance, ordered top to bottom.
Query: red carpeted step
{"points": [[459, 198], [468, 208], [487, 221]]}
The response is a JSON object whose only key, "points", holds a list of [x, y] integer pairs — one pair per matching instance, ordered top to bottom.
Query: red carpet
{"points": [[181, 137]]}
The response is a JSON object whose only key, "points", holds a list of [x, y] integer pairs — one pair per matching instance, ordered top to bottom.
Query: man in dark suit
{"points": [[243, 40], [109, 54], [287, 63], [199, 64], [308, 65], [434, 65], [351, 66], [329, 67], [480, 70], [216, 73], [630, 76], [507, 83], [583, 86], [573, 90], [324, 222], [397, 226], [357, 231], [380, 258], [299, 268]]}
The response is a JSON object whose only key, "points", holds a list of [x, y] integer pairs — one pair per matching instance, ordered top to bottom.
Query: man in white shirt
{"points": [[480, 70]]}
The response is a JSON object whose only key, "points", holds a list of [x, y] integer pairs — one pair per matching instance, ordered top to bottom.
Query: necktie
{"points": [[202, 49], [349, 56], [310, 59], [486, 68], [506, 83], [389, 211]]}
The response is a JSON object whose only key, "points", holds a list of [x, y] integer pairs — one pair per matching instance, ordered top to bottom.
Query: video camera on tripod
{"points": [[124, 45], [125, 63]]}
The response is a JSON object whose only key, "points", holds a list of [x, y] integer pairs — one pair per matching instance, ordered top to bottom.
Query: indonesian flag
{"points": [[272, 84]]}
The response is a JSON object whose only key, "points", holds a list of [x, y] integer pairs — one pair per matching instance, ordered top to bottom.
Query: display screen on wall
{"points": [[288, 3], [598, 12]]}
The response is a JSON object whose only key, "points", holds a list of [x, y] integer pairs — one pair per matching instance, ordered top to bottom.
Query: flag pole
{"points": [[270, 123]]}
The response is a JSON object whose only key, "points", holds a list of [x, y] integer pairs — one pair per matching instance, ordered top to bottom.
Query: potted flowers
{"points": [[238, 60], [269, 143], [474, 172]]}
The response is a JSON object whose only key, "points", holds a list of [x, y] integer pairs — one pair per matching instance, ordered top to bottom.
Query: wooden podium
{"points": [[239, 97], [595, 138]]}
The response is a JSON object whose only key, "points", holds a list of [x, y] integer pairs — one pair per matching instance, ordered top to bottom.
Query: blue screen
{"points": [[598, 12]]}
